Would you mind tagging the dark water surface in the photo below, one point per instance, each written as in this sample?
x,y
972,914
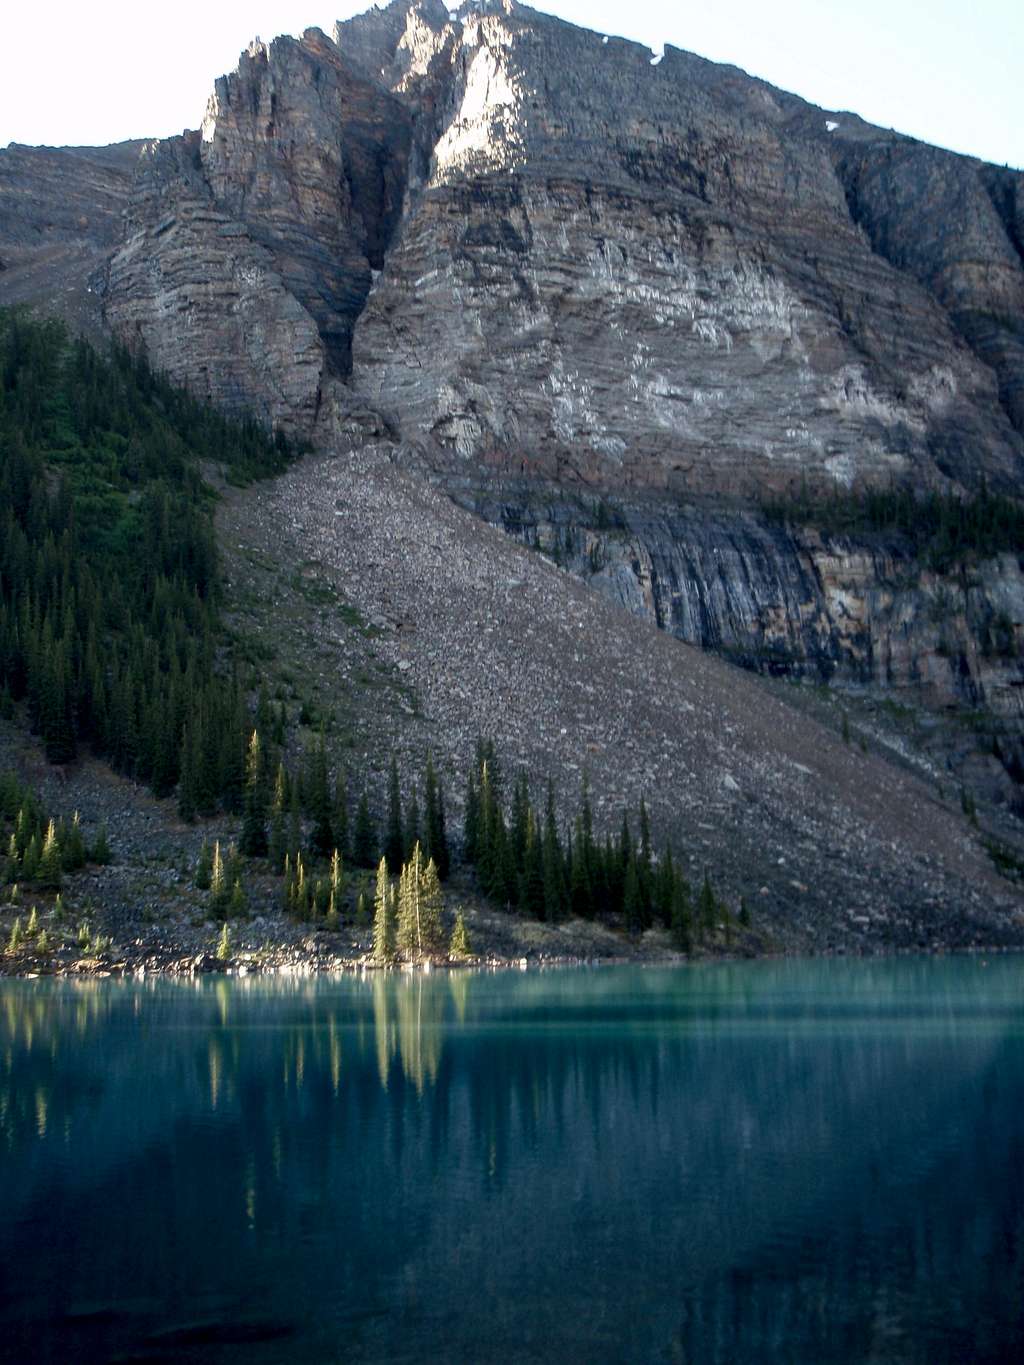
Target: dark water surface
x,y
798,1162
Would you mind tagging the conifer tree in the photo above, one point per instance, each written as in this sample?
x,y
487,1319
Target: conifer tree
x,y
100,853
337,875
431,910
410,889
253,839
237,905
394,839
276,840
532,890
682,918
384,916
294,838
459,944
224,944
319,802
471,825
435,838
15,940
204,868
220,887
707,907
340,821
50,870
73,851
554,883
632,907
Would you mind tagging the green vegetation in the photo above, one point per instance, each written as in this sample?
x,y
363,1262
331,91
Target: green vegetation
x,y
942,530
37,850
109,583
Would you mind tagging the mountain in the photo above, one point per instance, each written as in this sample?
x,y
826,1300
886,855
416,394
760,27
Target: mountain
x,y
653,317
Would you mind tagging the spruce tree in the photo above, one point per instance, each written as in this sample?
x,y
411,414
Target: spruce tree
x,y
253,839
204,868
384,916
435,841
220,887
458,947
277,840
224,945
100,853
431,910
682,918
554,883
471,825
410,890
707,907
412,823
73,852
50,870
632,907
238,906
319,802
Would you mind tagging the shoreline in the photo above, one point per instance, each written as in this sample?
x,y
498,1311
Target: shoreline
x,y
313,965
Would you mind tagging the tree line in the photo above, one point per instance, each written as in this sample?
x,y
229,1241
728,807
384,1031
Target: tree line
x,y
940,529
303,827
109,583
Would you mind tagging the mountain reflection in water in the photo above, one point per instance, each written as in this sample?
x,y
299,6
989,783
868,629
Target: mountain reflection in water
x,y
768,1162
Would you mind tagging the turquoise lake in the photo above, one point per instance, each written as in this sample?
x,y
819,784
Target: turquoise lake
x,y
771,1162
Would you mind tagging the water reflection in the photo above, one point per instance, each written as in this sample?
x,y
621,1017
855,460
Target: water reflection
x,y
791,1162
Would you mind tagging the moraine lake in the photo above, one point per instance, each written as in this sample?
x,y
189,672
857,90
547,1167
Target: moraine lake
x,y
791,1162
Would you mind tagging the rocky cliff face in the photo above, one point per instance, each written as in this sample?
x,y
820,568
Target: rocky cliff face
x,y
60,218
558,272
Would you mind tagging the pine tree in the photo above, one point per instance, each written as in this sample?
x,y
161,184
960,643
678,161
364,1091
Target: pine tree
x,y
707,907
431,910
224,945
435,839
554,883
682,918
15,940
73,851
337,876
632,907
100,853
319,802
471,826
50,869
459,944
204,868
237,906
220,887
394,839
384,916
276,840
532,888
410,887
294,839
253,839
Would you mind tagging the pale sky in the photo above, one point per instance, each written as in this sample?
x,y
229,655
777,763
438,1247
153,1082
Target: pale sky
x,y
947,71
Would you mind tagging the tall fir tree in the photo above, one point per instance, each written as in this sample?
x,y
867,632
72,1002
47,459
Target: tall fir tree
x,y
253,838
384,915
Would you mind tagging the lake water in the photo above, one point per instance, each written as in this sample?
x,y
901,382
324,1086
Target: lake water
x,y
775,1162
